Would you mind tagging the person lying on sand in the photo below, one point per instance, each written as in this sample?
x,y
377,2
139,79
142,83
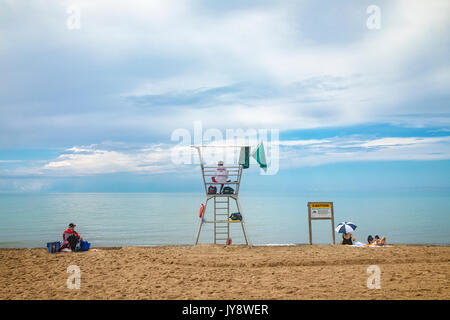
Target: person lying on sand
x,y
376,241
347,238
379,242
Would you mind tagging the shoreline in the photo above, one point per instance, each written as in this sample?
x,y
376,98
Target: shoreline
x,y
228,272
237,245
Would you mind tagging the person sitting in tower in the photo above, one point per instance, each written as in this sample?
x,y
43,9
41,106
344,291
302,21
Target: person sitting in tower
x,y
221,175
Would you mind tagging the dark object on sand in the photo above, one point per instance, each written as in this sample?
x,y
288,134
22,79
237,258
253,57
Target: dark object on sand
x,y
71,243
84,246
53,247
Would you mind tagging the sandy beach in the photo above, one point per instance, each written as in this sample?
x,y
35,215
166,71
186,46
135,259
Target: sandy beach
x,y
233,272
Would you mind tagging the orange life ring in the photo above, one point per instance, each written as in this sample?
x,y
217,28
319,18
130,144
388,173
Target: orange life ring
x,y
202,208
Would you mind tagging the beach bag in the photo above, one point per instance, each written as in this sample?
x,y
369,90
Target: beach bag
x,y
228,190
53,247
84,246
236,216
212,190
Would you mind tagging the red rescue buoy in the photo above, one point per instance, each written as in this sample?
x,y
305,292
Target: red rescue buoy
x,y
202,208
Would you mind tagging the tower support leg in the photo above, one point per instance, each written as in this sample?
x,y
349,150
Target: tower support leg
x,y
242,221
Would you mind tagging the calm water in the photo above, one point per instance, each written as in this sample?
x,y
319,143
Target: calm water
x,y
121,219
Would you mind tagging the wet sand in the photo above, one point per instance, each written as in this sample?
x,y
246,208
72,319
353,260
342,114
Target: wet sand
x,y
233,272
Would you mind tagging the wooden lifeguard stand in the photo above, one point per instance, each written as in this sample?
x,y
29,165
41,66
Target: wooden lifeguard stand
x,y
221,201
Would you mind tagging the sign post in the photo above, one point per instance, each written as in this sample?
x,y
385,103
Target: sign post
x,y
321,211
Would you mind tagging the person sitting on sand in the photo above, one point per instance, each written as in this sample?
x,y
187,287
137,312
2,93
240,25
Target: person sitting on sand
x,y
221,175
71,238
347,238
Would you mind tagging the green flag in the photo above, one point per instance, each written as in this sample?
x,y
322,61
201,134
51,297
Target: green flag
x,y
260,156
244,157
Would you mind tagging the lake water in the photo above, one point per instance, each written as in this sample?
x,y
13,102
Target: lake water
x,y
123,219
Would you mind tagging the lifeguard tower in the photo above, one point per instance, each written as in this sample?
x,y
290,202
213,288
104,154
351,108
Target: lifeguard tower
x,y
221,201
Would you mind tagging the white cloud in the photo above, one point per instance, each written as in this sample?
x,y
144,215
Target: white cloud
x,y
379,74
291,81
304,142
156,159
386,142
88,160
353,149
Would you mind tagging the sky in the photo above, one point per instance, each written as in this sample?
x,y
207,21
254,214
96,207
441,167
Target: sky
x,y
93,93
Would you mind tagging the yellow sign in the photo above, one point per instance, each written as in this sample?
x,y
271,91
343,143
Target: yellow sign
x,y
320,205
321,211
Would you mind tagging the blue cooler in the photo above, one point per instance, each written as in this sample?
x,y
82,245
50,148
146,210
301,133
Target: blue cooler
x,y
85,246
53,247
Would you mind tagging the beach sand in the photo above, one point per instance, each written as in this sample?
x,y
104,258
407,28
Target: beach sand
x,y
233,272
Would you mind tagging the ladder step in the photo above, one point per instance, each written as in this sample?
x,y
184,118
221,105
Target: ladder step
x,y
221,227
221,239
221,232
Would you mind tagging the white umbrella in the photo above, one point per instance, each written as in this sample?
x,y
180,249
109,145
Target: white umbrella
x,y
345,227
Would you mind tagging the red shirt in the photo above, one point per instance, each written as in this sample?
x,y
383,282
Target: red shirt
x,y
68,233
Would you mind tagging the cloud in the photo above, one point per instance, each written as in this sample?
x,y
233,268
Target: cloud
x,y
305,153
111,158
136,71
295,84
91,160
200,97
392,142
